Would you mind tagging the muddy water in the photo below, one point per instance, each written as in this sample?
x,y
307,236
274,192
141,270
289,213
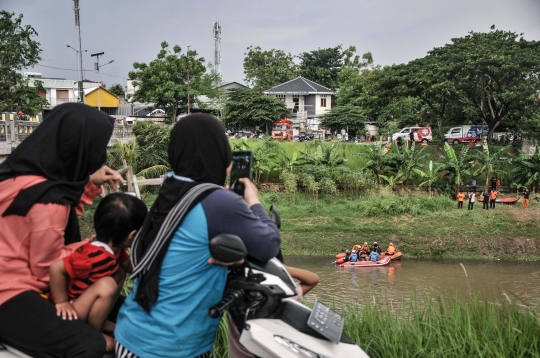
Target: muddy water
x,y
402,279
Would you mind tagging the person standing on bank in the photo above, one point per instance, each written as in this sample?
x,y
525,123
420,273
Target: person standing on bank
x,y
472,199
176,280
460,198
526,195
485,200
492,198
43,185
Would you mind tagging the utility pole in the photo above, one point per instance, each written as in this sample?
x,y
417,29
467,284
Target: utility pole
x,y
188,99
80,97
97,67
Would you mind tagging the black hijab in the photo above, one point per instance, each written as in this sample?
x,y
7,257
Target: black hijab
x,y
65,149
199,150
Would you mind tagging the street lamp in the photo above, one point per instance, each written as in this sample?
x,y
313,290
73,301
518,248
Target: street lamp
x,y
188,99
97,67
79,70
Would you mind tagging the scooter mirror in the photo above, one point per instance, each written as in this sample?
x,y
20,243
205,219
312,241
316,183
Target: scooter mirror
x,y
227,248
274,215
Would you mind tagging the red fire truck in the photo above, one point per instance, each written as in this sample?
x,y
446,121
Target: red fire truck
x,y
282,129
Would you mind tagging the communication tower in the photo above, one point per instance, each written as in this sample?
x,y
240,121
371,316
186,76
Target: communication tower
x,y
217,46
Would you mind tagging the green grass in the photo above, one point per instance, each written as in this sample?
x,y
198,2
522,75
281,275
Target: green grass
x,y
435,327
420,226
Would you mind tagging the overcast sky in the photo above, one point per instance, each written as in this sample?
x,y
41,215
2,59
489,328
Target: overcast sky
x,y
394,31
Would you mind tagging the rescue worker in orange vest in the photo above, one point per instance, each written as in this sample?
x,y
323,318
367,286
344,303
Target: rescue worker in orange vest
x,y
365,248
363,253
460,198
391,249
526,195
356,247
492,198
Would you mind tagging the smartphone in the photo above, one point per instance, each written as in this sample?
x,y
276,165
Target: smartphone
x,y
241,168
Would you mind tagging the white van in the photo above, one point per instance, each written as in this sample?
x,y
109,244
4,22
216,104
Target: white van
x,y
465,133
421,134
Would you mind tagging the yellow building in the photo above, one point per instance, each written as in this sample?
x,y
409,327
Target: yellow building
x,y
100,97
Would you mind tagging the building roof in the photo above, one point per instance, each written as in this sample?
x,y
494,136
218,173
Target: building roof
x,y
299,85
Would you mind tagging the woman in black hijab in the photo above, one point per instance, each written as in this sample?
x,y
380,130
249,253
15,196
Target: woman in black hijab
x,y
175,282
42,184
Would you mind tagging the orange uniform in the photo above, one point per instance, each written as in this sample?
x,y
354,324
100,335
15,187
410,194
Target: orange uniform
x,y
461,196
493,195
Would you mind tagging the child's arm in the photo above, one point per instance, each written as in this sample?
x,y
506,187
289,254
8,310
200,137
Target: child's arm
x,y
307,279
126,265
58,284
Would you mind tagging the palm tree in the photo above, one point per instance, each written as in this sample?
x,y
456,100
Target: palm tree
x,y
455,166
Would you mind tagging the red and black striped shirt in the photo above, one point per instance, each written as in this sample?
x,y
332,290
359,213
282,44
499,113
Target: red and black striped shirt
x,y
88,264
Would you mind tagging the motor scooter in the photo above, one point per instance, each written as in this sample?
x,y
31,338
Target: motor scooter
x,y
258,295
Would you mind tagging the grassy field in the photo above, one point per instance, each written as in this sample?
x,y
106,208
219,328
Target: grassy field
x,y
420,226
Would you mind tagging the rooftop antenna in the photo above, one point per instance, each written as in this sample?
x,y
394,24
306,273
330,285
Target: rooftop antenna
x,y
217,46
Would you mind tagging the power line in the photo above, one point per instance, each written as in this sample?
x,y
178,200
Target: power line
x,y
69,69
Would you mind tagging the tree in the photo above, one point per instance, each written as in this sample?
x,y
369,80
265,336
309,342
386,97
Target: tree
x,y
324,65
210,87
348,116
245,107
17,51
266,69
164,81
497,75
118,90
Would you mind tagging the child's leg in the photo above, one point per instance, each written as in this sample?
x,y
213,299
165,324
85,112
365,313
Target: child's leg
x,y
94,304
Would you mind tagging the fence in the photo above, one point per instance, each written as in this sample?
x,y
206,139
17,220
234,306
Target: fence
x,y
14,130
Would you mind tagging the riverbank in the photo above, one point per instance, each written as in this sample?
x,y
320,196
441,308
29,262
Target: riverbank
x,y
421,227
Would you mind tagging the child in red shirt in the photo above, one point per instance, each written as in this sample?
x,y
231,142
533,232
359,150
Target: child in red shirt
x,y
85,284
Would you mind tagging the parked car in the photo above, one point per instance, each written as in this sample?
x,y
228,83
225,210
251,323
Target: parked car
x,y
421,134
465,133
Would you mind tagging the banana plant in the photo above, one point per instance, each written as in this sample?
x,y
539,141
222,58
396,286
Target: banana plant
x,y
485,161
129,152
455,166
527,168
392,179
429,176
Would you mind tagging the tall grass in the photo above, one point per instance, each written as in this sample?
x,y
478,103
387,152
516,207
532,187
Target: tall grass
x,y
444,328
435,327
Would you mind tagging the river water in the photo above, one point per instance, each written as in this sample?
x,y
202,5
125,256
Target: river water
x,y
517,282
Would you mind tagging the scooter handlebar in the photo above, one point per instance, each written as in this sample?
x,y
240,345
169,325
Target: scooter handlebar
x,y
226,303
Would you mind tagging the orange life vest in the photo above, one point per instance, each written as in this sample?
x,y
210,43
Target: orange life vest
x,y
460,196
391,250
493,195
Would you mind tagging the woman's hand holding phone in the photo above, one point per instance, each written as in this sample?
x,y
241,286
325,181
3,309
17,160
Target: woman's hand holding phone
x,y
251,194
